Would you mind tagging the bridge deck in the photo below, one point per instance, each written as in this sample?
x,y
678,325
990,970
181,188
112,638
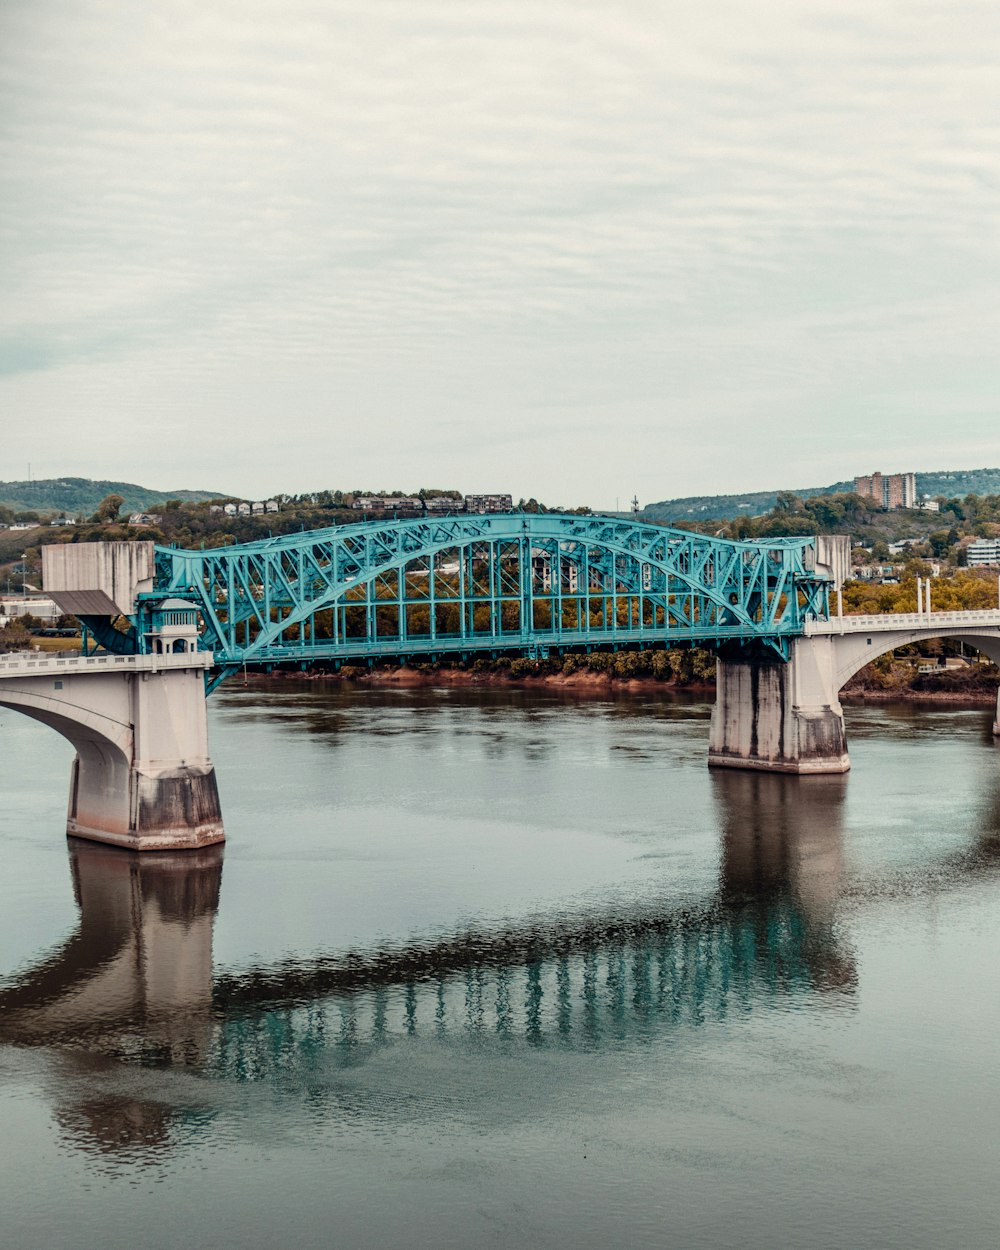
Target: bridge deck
x,y
905,621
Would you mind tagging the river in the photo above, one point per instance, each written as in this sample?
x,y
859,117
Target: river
x,y
514,969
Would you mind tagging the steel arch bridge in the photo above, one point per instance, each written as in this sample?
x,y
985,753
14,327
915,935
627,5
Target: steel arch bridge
x,y
484,585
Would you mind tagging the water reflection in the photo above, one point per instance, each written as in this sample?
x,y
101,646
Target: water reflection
x,y
134,990
136,977
135,985
332,712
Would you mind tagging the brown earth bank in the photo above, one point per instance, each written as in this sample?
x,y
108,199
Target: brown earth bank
x,y
974,687
403,677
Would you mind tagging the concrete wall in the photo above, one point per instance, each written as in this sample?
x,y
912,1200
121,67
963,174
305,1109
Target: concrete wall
x,y
97,579
831,555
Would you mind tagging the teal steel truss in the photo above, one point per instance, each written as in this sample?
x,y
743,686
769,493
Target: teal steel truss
x,y
485,585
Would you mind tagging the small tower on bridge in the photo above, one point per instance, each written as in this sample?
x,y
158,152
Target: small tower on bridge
x,y
173,628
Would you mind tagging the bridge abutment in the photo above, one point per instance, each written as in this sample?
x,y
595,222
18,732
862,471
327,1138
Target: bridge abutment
x,y
170,800
779,716
142,777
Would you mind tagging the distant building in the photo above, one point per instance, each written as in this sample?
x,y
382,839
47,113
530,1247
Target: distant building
x,y
229,509
257,508
271,505
442,503
143,518
243,509
489,503
901,491
983,552
870,488
41,608
890,491
387,503
541,569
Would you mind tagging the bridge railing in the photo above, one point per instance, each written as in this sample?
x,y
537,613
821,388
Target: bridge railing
x,y
18,664
903,620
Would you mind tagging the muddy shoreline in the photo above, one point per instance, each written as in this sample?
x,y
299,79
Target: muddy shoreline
x,y
586,682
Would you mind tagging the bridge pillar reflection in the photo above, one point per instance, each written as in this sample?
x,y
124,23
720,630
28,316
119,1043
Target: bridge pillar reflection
x,y
779,716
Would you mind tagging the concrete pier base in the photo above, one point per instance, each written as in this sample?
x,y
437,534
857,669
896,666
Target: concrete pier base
x,y
777,716
996,721
174,809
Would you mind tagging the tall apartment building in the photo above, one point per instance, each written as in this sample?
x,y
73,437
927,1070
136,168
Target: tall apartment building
x,y
870,487
891,490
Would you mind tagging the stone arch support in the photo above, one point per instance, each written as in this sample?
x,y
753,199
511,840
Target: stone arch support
x,y
142,777
856,649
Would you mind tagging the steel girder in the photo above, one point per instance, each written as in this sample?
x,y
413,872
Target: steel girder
x,y
470,584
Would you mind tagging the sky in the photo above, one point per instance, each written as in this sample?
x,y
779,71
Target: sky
x,y
570,250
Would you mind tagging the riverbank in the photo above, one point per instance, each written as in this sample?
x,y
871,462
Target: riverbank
x,y
974,687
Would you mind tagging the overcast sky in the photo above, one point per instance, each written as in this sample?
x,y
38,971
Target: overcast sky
x,y
573,250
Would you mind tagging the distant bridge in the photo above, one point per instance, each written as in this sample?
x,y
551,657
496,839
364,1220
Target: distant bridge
x,y
462,586
473,585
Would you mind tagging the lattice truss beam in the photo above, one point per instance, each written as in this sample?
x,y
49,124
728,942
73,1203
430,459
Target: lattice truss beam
x,y
466,583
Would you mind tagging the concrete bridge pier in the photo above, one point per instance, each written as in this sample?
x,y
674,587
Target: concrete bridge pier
x,y
778,716
164,795
142,777
138,717
996,722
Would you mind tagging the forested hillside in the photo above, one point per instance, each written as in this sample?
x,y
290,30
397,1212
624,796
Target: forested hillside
x,y
74,495
957,482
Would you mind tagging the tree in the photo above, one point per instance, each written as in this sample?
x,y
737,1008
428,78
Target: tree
x,y
787,501
108,509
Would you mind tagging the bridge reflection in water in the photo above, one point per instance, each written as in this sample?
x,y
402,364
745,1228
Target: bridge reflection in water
x,y
136,983
588,980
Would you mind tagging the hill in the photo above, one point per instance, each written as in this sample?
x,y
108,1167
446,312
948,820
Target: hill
x,y
957,482
72,495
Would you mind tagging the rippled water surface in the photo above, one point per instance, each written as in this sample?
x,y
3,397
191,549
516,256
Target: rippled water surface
x,y
492,968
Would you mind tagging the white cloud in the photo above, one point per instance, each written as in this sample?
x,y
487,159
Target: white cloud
x,y
549,247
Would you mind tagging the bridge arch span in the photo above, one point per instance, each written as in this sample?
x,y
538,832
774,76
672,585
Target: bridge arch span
x,y
855,651
261,602
99,781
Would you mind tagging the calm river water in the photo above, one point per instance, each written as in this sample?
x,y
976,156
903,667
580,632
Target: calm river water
x,y
498,968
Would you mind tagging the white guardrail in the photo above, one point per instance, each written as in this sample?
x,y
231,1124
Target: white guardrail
x,y
989,617
38,664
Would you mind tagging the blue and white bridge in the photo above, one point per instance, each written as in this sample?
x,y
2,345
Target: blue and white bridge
x,y
172,624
